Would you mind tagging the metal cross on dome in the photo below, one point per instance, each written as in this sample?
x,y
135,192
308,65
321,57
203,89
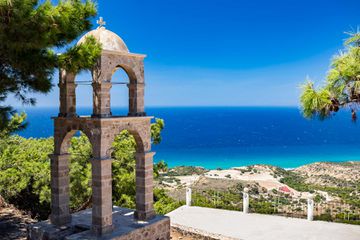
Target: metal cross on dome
x,y
101,22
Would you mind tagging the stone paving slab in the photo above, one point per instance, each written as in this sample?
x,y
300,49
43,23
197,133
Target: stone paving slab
x,y
237,225
125,227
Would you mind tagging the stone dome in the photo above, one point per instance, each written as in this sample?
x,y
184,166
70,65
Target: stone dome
x,y
110,41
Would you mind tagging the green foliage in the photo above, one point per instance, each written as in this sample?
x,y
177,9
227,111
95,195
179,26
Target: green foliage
x,y
350,218
342,86
230,200
346,193
25,173
124,149
318,198
124,170
163,203
30,30
296,182
160,167
324,217
264,207
80,172
16,123
156,129
354,38
315,103
82,56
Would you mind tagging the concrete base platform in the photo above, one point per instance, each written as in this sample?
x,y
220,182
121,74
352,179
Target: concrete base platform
x,y
124,227
224,224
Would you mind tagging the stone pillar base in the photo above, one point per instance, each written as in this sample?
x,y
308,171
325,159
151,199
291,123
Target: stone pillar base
x,y
60,220
99,231
68,115
124,227
106,115
144,216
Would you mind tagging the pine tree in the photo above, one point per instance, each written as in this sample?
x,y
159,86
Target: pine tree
x,y
31,32
342,85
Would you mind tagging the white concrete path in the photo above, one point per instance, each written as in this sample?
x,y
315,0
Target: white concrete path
x,y
234,224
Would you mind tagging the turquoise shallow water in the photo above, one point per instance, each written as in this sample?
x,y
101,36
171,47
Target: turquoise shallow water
x,y
289,157
225,137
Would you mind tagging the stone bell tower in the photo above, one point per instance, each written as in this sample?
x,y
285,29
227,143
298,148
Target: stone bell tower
x,y
101,128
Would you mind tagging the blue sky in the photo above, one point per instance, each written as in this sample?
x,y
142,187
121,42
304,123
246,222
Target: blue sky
x,y
225,52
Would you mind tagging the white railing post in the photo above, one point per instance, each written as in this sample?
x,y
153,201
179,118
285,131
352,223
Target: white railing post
x,y
246,200
188,196
310,208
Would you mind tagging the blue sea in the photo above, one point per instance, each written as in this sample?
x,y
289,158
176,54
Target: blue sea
x,y
224,137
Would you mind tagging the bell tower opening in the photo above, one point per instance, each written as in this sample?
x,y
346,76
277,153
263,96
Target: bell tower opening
x,y
119,92
84,95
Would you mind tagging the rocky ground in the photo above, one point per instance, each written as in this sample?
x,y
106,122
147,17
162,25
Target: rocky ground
x,y
177,234
330,174
13,222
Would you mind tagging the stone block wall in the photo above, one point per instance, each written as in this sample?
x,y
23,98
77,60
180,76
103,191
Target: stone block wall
x,y
157,231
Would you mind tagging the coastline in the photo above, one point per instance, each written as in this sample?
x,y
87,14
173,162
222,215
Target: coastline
x,y
225,158
259,163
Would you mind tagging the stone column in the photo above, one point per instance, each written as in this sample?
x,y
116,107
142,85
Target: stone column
x,y
136,99
67,94
101,196
101,99
60,212
144,186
